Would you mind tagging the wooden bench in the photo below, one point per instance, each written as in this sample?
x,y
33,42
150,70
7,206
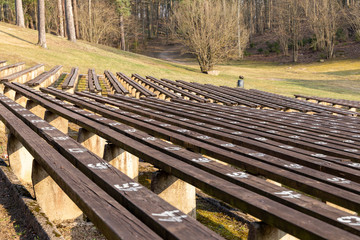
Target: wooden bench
x,y
133,87
186,95
24,75
115,84
92,200
158,90
71,79
93,81
11,69
46,79
200,93
96,109
198,177
119,186
351,105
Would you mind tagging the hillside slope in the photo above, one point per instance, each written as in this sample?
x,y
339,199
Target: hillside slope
x,y
337,79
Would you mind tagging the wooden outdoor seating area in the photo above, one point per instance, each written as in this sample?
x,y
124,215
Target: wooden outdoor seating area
x,y
291,164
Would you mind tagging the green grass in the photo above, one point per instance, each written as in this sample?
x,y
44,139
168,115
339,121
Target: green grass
x,y
337,79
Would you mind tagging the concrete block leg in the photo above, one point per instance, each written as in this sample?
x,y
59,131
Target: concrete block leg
x,y
262,231
91,141
9,93
53,201
122,160
55,120
35,108
20,99
20,159
175,191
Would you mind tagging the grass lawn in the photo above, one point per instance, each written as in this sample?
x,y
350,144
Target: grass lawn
x,y
337,79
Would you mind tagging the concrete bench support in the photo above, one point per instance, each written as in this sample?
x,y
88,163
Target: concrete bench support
x,y
35,108
53,201
55,120
9,93
262,231
91,141
20,159
175,191
20,99
122,160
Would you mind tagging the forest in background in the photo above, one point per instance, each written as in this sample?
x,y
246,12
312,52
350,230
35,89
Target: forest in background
x,y
213,30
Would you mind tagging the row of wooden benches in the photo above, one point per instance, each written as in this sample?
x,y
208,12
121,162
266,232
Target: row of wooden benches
x,y
351,105
199,178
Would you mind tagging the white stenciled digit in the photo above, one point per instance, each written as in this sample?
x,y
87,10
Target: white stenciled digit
x,y
204,137
318,155
48,128
288,194
172,148
149,139
114,124
261,139
217,128
128,187
77,150
99,166
339,180
28,115
37,121
170,216
257,154
182,130
238,175
286,146
351,220
61,138
294,166
357,165
202,160
131,130
227,145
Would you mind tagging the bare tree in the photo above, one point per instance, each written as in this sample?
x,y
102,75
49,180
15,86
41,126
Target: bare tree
x,y
207,32
61,18
19,13
70,21
353,16
76,21
41,23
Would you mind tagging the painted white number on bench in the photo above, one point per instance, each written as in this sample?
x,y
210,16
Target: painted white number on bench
x,y
99,166
130,130
234,122
351,220
183,119
114,124
149,139
318,155
261,139
272,131
357,165
128,187
28,115
320,143
172,148
238,175
338,180
286,147
61,138
48,128
294,166
149,120
37,121
170,216
203,137
356,136
77,150
349,141
217,128
202,160
227,145
236,133
101,119
257,154
182,130
20,109
165,125
351,150
199,123
13,105
288,194
89,114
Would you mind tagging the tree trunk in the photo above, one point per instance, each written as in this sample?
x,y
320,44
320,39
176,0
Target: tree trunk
x,y
61,18
239,29
41,23
70,21
122,32
76,21
149,20
90,21
19,13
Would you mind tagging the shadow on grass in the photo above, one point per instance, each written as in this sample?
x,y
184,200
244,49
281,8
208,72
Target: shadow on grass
x,y
344,73
11,35
334,86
